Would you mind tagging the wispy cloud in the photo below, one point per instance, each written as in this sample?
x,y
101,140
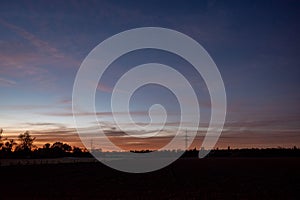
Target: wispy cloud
x,y
104,88
65,101
38,43
24,107
268,124
17,59
46,124
99,114
7,82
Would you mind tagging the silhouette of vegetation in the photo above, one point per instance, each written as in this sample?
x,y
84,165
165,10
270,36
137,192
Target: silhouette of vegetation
x,y
1,143
229,152
140,151
9,148
253,152
26,142
6,145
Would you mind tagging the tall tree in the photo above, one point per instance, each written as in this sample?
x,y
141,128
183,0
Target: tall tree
x,y
1,131
26,142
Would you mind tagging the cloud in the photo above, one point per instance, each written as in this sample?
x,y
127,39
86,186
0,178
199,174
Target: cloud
x,y
7,82
51,135
24,107
45,124
26,67
99,114
65,101
104,88
17,59
38,43
270,124
52,132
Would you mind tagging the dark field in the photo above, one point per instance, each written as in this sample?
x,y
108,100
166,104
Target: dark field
x,y
210,178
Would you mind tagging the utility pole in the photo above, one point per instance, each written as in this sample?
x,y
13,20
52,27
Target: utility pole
x,y
91,145
186,140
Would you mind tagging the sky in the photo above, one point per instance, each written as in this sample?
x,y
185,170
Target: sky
x,y
255,45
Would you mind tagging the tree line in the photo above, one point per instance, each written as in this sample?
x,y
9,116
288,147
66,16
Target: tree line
x,y
24,147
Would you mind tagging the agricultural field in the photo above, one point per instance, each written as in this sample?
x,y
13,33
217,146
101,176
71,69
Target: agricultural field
x,y
187,178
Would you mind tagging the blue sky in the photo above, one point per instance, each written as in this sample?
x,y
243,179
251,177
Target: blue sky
x,y
255,45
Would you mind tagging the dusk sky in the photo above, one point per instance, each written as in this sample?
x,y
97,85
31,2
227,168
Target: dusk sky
x,y
255,45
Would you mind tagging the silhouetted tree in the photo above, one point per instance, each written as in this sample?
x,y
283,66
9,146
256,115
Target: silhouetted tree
x,y
59,148
26,142
1,131
8,145
76,151
47,146
67,148
57,145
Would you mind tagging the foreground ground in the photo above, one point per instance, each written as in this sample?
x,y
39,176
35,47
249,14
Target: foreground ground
x,y
211,178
